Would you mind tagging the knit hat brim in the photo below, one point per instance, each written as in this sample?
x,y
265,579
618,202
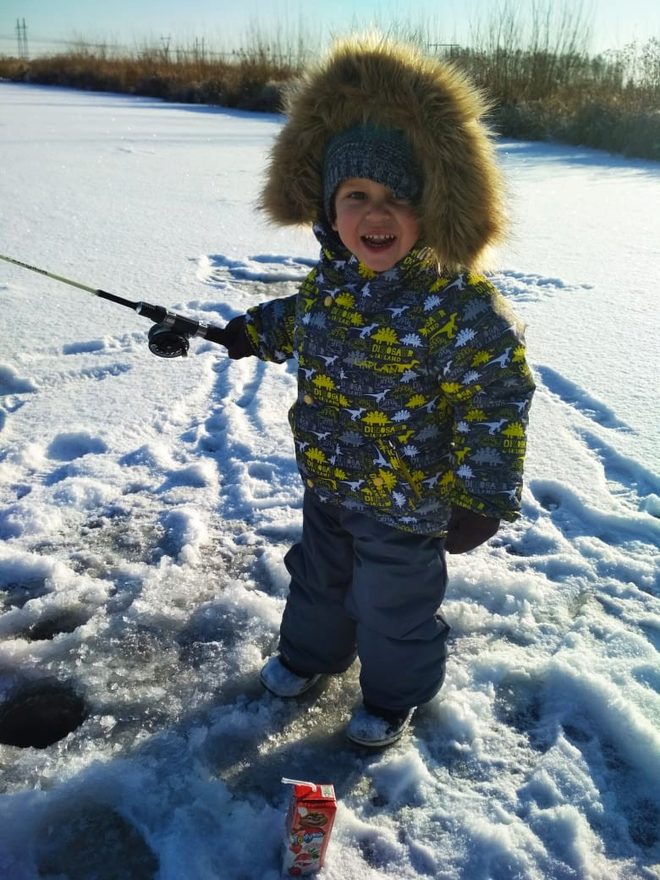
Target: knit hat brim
x,y
378,154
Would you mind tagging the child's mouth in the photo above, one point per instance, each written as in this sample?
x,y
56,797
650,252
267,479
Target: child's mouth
x,y
378,242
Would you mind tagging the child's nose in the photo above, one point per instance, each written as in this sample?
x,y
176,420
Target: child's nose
x,y
379,206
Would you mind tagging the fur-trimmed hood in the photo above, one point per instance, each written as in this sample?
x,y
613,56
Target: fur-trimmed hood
x,y
372,80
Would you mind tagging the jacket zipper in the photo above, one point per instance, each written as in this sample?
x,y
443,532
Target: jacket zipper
x,y
397,462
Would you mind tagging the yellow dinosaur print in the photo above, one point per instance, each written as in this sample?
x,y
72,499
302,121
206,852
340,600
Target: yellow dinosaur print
x,y
515,429
460,454
383,479
322,381
346,300
481,357
432,325
447,483
451,388
376,418
315,454
449,329
456,392
405,436
439,285
387,335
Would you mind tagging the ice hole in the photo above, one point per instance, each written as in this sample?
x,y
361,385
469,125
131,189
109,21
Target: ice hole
x,y
37,717
49,627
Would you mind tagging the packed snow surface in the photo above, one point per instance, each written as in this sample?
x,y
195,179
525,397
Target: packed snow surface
x,y
146,506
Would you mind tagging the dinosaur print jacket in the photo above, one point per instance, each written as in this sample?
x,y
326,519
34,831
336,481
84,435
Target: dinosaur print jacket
x,y
413,389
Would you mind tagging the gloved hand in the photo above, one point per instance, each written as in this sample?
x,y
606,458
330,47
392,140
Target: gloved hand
x,y
236,339
467,530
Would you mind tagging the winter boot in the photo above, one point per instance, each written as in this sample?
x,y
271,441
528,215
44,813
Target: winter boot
x,y
284,682
376,727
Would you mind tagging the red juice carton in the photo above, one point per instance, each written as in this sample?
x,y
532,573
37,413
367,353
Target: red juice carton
x,y
309,822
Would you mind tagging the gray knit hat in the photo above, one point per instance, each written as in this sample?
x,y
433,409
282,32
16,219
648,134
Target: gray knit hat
x,y
379,154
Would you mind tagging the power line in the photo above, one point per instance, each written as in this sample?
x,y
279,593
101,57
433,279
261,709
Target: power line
x,y
61,41
199,50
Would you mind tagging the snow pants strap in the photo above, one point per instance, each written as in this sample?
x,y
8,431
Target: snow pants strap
x,y
357,584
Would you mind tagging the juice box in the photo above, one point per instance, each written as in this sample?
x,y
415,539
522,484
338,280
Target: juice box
x,y
309,822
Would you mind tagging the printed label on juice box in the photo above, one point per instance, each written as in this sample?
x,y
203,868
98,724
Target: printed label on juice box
x,y
308,825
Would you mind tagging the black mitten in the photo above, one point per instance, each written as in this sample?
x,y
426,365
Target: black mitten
x,y
467,530
236,339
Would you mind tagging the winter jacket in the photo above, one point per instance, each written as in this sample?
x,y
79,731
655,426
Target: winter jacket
x,y
413,388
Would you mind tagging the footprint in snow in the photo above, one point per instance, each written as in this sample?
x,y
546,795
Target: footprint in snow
x,y
519,704
15,593
580,399
100,373
69,446
527,287
627,477
13,383
271,274
97,373
86,347
104,344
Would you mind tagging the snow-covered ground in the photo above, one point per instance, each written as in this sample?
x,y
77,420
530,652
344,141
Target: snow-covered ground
x,y
146,505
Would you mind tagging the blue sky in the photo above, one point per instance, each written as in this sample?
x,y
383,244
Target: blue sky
x,y
227,23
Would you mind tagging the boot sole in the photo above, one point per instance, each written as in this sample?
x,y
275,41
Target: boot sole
x,y
379,743
303,689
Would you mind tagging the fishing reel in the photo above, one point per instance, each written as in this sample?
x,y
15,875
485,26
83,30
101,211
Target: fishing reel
x,y
166,342
170,335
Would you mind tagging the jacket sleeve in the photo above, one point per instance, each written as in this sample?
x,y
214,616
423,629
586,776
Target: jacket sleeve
x,y
270,326
487,383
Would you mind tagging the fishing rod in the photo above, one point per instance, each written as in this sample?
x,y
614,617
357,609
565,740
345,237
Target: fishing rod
x,y
168,338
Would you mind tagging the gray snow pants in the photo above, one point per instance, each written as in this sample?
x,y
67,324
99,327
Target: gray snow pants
x,y
359,587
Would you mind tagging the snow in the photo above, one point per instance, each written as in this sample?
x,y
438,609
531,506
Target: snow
x,y
146,506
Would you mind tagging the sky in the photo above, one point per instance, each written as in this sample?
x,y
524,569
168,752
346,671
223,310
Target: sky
x,y
223,24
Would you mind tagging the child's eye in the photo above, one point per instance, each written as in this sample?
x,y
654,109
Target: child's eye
x,y
356,194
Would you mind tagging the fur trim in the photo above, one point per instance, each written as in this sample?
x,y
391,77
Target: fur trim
x,y
372,80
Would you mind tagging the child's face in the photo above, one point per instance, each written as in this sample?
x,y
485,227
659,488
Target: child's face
x,y
373,224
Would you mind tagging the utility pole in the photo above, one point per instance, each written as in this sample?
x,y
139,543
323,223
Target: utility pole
x,y
21,38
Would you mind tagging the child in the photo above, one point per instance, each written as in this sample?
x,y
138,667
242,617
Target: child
x,y
413,390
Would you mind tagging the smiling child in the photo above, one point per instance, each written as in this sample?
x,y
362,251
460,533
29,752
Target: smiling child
x,y
413,390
